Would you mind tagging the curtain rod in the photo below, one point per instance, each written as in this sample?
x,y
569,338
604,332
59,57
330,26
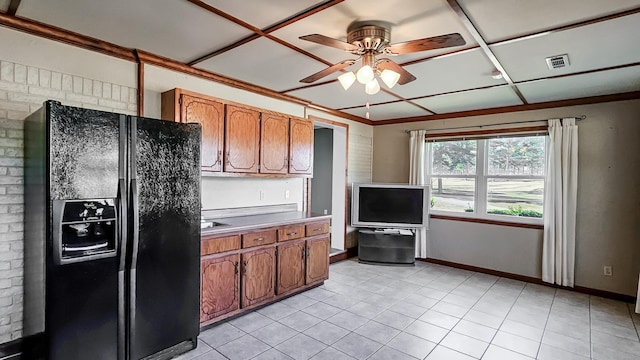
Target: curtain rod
x,y
578,118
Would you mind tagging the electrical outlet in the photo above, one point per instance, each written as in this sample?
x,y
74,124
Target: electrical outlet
x,y
261,194
286,194
608,271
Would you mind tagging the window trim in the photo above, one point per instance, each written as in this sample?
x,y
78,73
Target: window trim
x,y
481,187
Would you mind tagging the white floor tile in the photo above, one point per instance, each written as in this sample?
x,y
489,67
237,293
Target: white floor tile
x,y
427,311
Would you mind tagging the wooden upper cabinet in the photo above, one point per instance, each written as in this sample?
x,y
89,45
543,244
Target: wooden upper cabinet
x,y
210,114
317,259
301,146
274,144
242,132
184,106
220,281
258,276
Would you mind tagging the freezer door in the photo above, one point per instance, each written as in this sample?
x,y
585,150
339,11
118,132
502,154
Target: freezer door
x,y
165,232
84,149
86,158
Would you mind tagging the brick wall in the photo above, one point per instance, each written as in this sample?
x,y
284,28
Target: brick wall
x,y
23,89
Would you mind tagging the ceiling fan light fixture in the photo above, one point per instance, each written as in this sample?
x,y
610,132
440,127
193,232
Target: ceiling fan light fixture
x,y
372,87
389,77
365,75
347,79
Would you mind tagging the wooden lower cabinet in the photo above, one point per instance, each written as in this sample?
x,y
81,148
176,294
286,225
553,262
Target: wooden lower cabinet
x,y
258,275
317,259
220,292
290,266
244,270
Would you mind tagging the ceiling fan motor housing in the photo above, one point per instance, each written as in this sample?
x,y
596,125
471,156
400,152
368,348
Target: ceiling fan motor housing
x,y
369,38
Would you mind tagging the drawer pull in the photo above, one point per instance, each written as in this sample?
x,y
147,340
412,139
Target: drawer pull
x,y
292,233
236,266
259,239
317,229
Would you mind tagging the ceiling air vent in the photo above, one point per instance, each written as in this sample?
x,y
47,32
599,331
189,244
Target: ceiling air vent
x,y
558,61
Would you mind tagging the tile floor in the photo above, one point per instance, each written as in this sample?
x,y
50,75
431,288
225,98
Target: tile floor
x,y
428,312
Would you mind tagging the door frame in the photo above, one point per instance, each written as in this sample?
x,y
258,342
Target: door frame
x,y
333,125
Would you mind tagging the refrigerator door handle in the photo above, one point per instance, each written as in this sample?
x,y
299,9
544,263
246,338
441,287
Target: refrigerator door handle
x,y
135,223
122,219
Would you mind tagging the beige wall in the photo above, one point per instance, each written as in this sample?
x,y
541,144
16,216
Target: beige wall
x,y
608,223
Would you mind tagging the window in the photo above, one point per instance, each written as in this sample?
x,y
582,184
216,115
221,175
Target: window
x,y
492,178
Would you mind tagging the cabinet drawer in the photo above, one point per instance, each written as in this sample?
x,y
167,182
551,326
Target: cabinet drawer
x,y
317,228
258,238
214,245
291,232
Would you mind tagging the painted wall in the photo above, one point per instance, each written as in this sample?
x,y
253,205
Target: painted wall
x,y
322,171
360,161
608,220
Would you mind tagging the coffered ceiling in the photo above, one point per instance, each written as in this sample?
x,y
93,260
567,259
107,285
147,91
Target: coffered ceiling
x,y
257,42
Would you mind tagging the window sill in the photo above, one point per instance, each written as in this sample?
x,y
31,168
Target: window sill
x,y
488,221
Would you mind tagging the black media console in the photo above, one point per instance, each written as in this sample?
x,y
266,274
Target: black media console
x,y
386,247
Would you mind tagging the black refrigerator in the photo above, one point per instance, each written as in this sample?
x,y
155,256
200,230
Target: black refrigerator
x,y
112,235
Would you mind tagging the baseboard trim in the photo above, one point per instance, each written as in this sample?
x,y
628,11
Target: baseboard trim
x,y
11,350
580,289
343,255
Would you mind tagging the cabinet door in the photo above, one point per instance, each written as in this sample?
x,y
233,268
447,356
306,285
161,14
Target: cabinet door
x,y
258,276
274,142
242,130
317,259
301,146
220,288
290,266
210,114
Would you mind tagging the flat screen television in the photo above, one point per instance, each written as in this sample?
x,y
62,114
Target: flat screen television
x,y
389,205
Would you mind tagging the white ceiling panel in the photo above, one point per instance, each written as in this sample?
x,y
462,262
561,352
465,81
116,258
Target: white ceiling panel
x,y
334,96
471,100
4,5
262,13
502,19
175,29
409,19
594,84
264,62
467,70
590,47
390,111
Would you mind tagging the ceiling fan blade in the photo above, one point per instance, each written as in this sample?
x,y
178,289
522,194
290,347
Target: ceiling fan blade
x,y
327,41
430,43
405,76
330,70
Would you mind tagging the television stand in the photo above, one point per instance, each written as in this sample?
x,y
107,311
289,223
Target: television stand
x,y
386,246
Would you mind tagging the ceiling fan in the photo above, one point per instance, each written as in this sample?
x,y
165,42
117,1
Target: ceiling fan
x,y
368,39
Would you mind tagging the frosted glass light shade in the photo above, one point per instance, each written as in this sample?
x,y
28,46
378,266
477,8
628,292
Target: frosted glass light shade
x,y
372,87
347,79
365,74
390,77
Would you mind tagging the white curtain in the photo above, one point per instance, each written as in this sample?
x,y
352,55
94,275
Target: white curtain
x,y
418,175
560,200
